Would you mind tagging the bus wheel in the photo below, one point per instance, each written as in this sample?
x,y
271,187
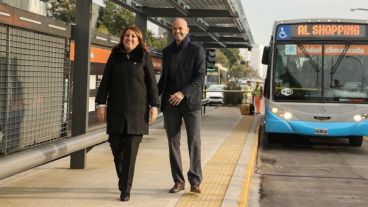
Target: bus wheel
x,y
356,141
273,137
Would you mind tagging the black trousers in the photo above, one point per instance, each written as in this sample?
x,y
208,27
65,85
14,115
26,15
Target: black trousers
x,y
125,149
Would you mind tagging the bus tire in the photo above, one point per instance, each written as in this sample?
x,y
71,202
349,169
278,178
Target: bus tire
x,y
356,141
273,137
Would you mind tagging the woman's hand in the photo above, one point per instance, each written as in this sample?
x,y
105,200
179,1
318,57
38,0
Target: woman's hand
x,y
101,114
153,114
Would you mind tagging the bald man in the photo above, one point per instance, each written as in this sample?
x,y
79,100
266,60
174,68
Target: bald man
x,y
183,71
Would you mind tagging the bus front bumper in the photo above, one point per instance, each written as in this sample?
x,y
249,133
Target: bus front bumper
x,y
276,124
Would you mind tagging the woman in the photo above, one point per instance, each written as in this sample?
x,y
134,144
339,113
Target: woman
x,y
129,88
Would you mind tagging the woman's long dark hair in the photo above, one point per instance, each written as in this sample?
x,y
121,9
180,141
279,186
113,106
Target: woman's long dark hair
x,y
139,36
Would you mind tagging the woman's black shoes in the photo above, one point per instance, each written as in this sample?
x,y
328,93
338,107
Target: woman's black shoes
x,y
124,197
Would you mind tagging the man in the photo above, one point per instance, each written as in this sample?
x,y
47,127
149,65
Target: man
x,y
181,88
248,92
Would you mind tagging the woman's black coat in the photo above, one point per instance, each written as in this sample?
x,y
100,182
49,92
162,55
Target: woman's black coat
x,y
129,86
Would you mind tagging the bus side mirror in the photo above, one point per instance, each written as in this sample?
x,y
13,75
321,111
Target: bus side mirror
x,y
266,55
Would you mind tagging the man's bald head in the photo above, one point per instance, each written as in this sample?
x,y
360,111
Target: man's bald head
x,y
180,30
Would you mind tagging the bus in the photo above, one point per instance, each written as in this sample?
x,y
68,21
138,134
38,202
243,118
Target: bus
x,y
317,79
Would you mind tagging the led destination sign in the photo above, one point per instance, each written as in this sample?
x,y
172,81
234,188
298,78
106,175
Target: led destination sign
x,y
329,30
297,31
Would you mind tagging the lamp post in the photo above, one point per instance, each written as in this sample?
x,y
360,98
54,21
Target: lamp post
x,y
360,9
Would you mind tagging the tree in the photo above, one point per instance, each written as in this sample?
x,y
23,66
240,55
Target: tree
x,y
63,10
221,58
249,72
155,43
114,18
233,55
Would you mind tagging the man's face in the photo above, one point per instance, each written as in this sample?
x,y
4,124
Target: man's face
x,y
179,30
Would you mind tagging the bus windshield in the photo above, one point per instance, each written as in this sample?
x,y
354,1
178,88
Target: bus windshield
x,y
321,72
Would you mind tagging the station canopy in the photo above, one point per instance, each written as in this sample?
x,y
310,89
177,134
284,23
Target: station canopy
x,y
214,23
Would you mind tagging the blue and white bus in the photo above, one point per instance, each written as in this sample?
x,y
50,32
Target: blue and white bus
x,y
317,79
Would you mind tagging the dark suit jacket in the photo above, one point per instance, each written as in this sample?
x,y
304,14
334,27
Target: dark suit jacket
x,y
190,75
129,86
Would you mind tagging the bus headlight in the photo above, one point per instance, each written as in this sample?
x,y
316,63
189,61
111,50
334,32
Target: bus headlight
x,y
361,117
282,114
357,118
287,115
275,110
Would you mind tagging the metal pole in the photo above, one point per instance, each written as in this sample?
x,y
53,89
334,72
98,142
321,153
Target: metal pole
x,y
82,37
141,23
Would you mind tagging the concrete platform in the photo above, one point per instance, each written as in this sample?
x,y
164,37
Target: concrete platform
x,y
224,132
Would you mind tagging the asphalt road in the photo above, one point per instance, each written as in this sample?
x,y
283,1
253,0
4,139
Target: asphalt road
x,y
315,172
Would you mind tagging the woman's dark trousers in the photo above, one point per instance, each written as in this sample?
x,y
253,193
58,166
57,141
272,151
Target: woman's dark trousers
x,y
125,149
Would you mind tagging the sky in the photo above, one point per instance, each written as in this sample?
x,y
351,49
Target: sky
x,y
261,14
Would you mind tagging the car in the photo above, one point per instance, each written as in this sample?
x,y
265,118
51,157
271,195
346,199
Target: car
x,y
215,94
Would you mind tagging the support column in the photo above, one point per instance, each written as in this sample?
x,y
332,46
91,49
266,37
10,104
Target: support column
x,y
141,23
170,37
82,38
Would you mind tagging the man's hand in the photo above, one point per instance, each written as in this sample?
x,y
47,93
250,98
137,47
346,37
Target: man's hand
x,y
153,114
176,98
101,114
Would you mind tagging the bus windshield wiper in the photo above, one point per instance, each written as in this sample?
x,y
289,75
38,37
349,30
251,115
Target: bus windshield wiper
x,y
306,54
334,67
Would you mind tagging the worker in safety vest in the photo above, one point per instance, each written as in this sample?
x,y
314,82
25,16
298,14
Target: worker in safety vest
x,y
258,93
248,92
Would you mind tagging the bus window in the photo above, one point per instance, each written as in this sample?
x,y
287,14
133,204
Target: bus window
x,y
295,78
308,76
349,81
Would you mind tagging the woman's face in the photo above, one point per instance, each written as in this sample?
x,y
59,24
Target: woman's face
x,y
130,40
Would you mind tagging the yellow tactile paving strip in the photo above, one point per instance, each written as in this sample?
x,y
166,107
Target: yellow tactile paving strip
x,y
219,170
243,200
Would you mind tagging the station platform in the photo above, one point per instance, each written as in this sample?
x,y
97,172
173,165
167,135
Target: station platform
x,y
229,147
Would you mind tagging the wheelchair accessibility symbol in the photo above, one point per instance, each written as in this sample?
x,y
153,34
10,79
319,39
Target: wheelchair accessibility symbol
x,y
282,33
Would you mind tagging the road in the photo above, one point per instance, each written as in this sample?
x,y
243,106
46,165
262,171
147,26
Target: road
x,y
312,173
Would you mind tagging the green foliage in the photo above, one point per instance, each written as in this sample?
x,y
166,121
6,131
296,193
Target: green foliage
x,y
221,58
231,98
63,10
114,18
250,73
233,55
103,29
238,70
155,43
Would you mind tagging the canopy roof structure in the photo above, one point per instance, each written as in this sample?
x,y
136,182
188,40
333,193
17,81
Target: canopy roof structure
x,y
214,23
